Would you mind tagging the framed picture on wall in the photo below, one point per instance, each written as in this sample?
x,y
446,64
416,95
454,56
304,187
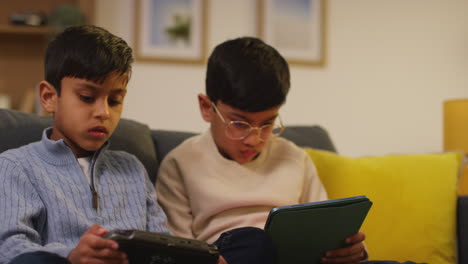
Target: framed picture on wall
x,y
296,28
170,30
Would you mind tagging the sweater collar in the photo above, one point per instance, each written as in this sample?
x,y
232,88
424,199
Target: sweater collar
x,y
57,152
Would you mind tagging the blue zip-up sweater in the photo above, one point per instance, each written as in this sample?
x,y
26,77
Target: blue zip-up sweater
x,y
46,202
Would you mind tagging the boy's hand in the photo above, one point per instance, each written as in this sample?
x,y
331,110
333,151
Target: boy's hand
x,y
92,248
221,260
354,252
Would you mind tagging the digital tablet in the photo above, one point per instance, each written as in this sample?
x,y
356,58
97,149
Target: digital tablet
x,y
144,247
302,233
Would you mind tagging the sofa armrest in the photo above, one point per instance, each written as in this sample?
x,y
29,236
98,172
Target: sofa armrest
x,y
462,232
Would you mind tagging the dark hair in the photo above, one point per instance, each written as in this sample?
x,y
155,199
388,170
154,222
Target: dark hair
x,y
87,52
248,74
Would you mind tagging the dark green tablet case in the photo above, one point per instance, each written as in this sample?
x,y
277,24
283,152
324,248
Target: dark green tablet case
x,y
303,233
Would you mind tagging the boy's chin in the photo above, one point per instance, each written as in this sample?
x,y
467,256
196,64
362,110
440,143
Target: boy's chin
x,y
90,148
244,160
93,148
240,158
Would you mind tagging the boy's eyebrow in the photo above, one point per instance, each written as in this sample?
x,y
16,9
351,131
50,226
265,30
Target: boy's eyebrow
x,y
94,88
119,90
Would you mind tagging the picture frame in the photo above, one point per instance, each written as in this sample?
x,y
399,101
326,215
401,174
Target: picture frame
x,y
296,28
172,31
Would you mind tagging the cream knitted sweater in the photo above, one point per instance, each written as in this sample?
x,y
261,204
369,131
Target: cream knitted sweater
x,y
205,194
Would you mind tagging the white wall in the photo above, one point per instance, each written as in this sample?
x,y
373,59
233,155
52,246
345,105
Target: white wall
x,y
390,65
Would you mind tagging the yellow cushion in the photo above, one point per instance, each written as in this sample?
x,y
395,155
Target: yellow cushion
x,y
414,212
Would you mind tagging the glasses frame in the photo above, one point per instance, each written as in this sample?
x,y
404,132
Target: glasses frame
x,y
259,128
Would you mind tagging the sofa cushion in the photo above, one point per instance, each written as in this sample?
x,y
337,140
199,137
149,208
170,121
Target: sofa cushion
x,y
18,129
414,211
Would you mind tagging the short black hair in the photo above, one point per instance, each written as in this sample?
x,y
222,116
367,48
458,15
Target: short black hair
x,y
87,52
248,74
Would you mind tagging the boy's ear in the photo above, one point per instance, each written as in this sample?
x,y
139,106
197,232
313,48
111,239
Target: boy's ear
x,y
48,96
206,109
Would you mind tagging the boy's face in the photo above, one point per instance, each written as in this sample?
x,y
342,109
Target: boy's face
x,y
86,113
240,150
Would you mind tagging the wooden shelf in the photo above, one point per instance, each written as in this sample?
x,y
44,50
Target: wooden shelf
x,y
23,30
22,48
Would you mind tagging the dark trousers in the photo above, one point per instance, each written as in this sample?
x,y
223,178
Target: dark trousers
x,y
389,262
39,257
247,245
243,245
250,245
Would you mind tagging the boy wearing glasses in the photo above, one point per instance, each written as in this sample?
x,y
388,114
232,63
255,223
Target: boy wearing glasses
x,y
220,186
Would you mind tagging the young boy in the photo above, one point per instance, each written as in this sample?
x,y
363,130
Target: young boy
x,y
60,195
232,175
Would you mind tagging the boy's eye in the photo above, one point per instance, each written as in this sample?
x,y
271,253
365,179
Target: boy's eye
x,y
114,101
86,99
240,125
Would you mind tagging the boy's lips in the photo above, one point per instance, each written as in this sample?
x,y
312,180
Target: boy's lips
x,y
98,132
249,153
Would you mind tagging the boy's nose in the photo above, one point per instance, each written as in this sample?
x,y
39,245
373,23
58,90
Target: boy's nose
x,y
102,110
254,138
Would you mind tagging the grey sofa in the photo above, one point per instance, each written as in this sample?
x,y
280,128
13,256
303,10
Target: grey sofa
x,y
150,146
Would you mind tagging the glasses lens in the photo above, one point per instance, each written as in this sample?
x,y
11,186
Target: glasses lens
x,y
276,129
238,129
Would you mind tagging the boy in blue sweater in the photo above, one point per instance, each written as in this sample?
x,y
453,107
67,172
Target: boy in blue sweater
x,y
60,195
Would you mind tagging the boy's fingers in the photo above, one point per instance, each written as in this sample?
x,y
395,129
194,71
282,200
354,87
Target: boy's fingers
x,y
355,249
356,238
351,254
355,258
111,255
100,249
93,237
221,260
98,242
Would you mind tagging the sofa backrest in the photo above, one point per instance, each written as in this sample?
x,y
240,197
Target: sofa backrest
x,y
149,146
304,136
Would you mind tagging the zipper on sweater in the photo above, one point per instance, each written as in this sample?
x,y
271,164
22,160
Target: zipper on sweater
x,y
95,198
92,186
